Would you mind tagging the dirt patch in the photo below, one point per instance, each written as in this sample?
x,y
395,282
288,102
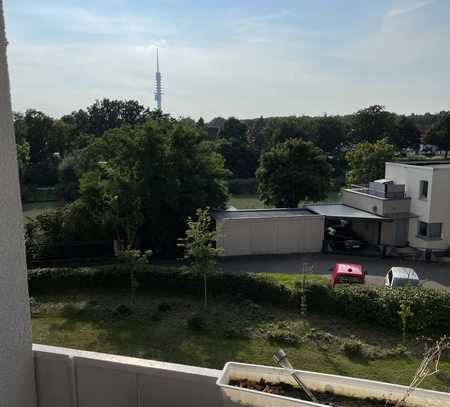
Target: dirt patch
x,y
287,390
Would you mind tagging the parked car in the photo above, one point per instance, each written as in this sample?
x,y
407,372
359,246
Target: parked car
x,y
401,277
347,273
342,237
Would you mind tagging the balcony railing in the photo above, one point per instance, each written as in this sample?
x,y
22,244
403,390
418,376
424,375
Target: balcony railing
x,y
68,378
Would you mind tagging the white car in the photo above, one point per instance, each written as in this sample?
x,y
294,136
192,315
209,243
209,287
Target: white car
x,y
401,277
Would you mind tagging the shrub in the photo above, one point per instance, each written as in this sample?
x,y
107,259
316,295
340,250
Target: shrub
x,y
353,347
196,322
283,337
431,308
122,311
164,307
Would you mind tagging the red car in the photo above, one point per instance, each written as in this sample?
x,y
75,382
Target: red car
x,y
347,273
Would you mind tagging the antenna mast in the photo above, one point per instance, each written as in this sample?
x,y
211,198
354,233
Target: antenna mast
x,y
158,85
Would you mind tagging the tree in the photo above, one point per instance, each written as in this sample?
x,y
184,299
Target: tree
x,y
234,129
329,134
291,172
199,246
109,114
23,156
439,133
234,147
371,124
405,134
145,181
366,163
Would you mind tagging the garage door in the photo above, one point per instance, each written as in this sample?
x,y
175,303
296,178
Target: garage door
x,y
299,234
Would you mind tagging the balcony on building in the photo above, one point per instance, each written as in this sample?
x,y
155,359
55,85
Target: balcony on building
x,y
382,197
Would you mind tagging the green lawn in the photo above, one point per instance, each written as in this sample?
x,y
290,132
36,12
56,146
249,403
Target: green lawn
x,y
289,280
34,209
243,332
253,201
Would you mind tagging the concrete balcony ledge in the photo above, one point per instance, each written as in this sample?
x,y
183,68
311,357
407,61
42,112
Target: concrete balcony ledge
x,y
74,378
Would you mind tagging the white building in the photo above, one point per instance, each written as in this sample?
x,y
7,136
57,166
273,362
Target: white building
x,y
427,184
413,199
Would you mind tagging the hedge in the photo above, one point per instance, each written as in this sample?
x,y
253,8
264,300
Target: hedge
x,y
431,308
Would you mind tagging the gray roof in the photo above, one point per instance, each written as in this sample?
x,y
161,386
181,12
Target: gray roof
x,y
341,211
262,213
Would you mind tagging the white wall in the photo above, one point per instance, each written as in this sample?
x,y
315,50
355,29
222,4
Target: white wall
x,y
257,236
434,209
16,362
72,378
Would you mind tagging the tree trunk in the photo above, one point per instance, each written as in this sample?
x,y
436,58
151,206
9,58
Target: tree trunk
x,y
205,303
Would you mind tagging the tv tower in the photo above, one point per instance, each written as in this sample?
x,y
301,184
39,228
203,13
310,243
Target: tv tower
x,y
158,86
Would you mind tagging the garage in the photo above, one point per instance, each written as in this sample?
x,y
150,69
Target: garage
x,y
272,231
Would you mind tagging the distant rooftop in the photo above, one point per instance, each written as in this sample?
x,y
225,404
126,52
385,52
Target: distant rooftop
x,y
341,211
429,163
263,213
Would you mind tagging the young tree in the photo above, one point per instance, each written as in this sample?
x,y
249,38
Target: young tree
x,y
199,246
291,172
439,133
366,162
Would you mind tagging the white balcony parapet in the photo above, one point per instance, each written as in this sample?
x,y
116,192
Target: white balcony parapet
x,y
74,378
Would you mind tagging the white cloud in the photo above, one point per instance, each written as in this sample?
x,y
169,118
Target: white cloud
x,y
407,6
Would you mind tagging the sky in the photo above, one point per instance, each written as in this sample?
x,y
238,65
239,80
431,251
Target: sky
x,y
243,58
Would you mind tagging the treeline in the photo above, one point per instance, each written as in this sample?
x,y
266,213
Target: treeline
x,y
135,175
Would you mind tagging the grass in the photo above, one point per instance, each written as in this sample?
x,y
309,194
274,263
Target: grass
x,y
252,201
289,280
34,209
243,332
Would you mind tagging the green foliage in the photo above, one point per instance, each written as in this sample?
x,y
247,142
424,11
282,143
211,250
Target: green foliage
x,y
292,172
405,134
405,314
353,347
366,163
439,133
233,144
431,308
371,124
196,322
150,179
199,245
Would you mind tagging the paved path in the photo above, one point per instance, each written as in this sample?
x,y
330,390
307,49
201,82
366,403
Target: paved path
x,y
436,275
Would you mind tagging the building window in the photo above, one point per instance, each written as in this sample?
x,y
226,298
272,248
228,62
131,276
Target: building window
x,y
423,190
429,230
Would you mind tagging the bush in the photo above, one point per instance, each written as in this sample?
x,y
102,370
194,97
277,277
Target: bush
x,y
164,307
283,337
430,308
196,322
353,347
122,311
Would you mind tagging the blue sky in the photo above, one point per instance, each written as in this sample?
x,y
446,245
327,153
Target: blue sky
x,y
241,58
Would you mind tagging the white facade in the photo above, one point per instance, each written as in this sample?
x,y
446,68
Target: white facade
x,y
16,358
262,232
430,208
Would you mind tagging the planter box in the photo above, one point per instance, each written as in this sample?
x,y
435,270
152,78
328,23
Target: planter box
x,y
318,382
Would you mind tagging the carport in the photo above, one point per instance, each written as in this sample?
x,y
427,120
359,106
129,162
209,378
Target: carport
x,y
269,231
368,226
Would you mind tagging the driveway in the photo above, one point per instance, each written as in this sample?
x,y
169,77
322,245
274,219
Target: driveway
x,y
436,275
